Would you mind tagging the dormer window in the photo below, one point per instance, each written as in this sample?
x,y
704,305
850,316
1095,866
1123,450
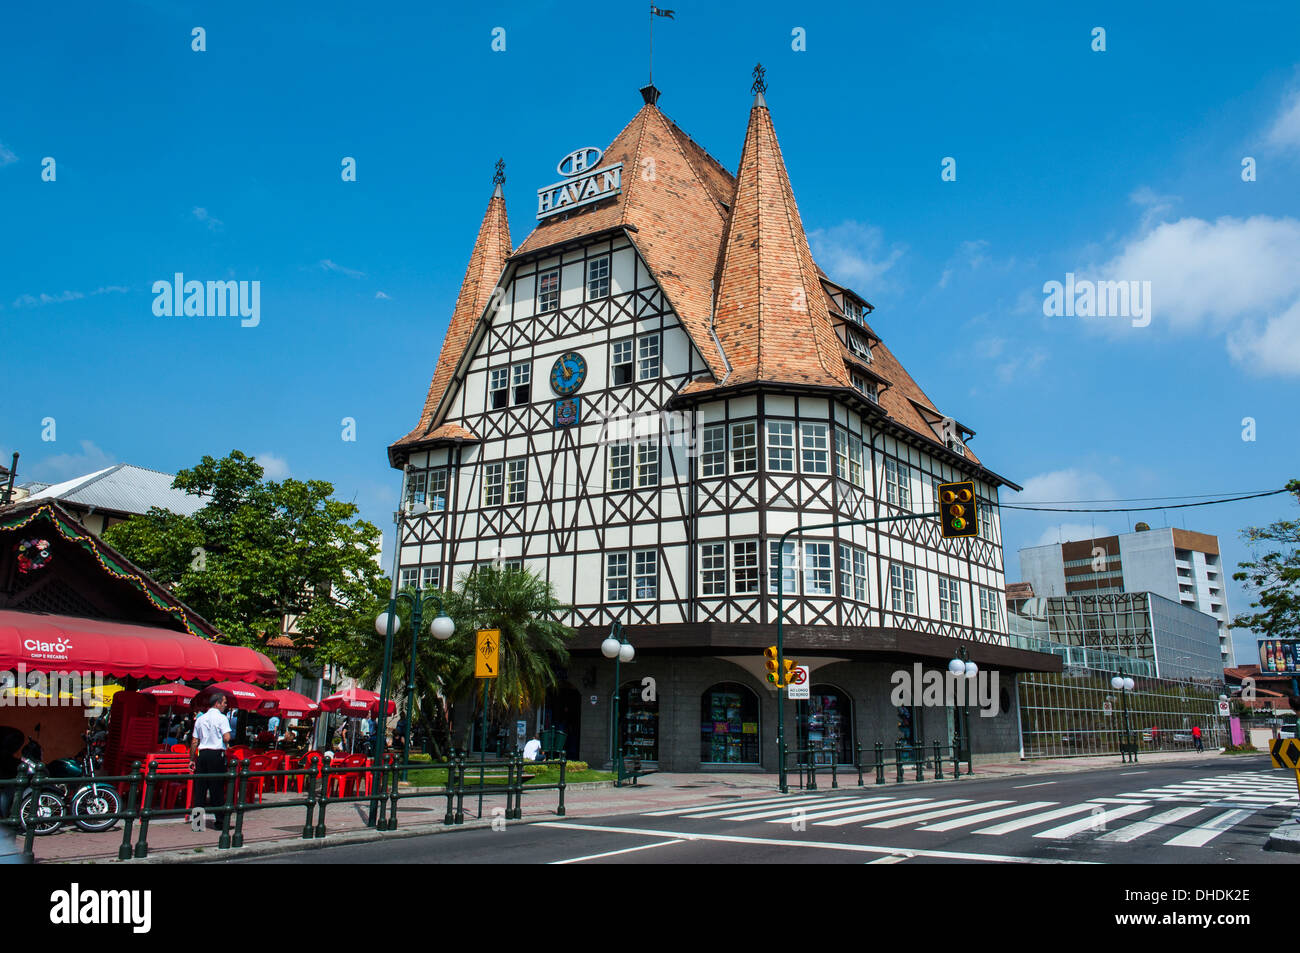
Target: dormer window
x,y
867,389
854,311
858,345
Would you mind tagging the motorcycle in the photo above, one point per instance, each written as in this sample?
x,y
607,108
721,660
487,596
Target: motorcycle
x,y
69,794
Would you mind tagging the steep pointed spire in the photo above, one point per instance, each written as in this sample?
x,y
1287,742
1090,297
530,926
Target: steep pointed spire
x,y
771,312
486,262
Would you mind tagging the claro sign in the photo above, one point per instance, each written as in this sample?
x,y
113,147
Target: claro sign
x,y
47,650
585,182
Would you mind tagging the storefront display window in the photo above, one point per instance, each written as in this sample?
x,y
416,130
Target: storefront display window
x,y
826,721
729,725
639,734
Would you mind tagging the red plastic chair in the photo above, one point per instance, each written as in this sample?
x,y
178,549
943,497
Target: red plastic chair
x,y
311,762
277,761
170,791
179,749
236,752
256,786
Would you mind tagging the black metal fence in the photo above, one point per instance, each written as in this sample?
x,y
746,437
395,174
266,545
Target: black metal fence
x,y
909,762
320,786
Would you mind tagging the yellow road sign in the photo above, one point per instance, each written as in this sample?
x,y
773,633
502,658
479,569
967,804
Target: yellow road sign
x,y
1286,753
487,653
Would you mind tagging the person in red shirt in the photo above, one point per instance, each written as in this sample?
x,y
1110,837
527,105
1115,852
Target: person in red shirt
x,y
1196,737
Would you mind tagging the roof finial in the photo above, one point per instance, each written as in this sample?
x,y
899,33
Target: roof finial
x,y
499,177
760,85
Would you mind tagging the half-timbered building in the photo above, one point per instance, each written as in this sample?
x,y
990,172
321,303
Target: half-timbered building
x,y
639,400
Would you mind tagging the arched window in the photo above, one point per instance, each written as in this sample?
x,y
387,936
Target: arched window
x,y
826,721
729,725
639,723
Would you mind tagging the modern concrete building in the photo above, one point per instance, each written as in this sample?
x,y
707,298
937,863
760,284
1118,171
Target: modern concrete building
x,y
1182,566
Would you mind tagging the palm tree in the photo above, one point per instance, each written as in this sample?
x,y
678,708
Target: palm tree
x,y
532,646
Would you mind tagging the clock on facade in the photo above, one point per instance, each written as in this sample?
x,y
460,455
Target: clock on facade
x,y
569,372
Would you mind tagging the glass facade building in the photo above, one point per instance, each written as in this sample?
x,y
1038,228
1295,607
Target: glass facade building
x,y
1170,651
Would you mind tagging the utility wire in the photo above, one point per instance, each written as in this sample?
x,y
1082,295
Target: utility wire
x,y
1137,509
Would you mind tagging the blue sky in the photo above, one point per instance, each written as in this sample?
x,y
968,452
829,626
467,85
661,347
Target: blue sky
x,y
224,164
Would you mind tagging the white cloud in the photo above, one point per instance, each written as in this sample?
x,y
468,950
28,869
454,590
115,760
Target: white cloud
x,y
380,296
328,265
34,301
1233,276
1059,485
203,216
6,155
275,468
1285,131
854,254
65,466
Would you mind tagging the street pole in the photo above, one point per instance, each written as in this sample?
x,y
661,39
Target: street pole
x,y
398,519
782,782
482,761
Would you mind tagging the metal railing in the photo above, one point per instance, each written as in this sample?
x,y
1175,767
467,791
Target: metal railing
x,y
919,761
320,786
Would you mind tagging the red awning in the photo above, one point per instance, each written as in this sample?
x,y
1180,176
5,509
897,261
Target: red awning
x,y
56,643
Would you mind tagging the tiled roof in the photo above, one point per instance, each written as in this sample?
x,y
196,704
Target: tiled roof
x,y
486,262
693,223
1020,590
772,317
122,488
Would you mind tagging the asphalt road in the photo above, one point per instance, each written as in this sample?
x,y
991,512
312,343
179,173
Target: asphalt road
x,y
1214,811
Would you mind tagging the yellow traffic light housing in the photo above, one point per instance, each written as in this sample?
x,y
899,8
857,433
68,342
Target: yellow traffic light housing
x,y
958,510
769,662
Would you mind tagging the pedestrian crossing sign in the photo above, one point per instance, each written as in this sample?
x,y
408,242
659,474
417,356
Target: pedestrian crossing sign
x,y
1286,753
487,653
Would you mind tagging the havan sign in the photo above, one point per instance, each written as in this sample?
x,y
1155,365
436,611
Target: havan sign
x,y
583,185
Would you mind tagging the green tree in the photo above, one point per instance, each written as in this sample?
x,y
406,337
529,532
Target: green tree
x,y
260,552
1274,579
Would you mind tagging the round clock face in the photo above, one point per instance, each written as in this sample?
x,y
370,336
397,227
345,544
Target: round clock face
x,y
569,372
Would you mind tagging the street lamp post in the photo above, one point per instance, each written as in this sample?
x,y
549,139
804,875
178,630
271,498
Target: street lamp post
x,y
963,667
1123,684
616,647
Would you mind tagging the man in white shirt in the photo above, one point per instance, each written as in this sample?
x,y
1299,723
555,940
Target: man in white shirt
x,y
211,737
533,748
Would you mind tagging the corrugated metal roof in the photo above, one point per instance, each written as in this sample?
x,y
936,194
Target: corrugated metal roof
x,y
125,489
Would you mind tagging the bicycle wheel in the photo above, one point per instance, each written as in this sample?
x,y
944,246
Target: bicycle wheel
x,y
45,817
98,799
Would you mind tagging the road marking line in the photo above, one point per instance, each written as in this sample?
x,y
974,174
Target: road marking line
x,y
611,853
987,816
1129,774
814,845
933,815
1200,836
1038,785
1089,823
1016,825
777,806
1136,830
850,805
891,859
872,815
1121,800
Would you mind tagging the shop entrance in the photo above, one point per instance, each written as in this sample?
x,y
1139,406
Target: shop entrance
x,y
639,723
563,710
826,721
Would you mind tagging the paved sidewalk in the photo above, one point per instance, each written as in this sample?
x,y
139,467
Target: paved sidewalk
x,y
282,826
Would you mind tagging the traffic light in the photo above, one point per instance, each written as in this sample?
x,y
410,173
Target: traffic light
x,y
958,512
780,676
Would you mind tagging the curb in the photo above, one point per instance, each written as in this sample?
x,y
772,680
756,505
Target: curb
x,y
1285,837
209,855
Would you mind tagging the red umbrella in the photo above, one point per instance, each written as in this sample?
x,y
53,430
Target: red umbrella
x,y
356,702
241,695
176,693
293,705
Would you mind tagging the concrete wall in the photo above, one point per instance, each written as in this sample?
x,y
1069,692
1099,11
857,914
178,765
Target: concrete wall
x,y
1044,567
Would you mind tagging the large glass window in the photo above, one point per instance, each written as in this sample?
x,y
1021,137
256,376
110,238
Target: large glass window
x,y
817,569
616,580
729,729
522,376
620,466
826,725
598,277
744,564
713,451
647,463
647,574
493,484
713,569
949,600
647,348
812,439
902,588
498,388
781,569
548,290
416,485
437,489
744,447
639,735
897,483
621,362
518,480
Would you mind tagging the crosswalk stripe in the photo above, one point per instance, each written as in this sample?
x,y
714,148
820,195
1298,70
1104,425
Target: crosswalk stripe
x,y
1200,836
1084,823
1119,800
986,816
1137,829
844,805
745,803
872,815
918,802
1007,827
933,815
789,804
